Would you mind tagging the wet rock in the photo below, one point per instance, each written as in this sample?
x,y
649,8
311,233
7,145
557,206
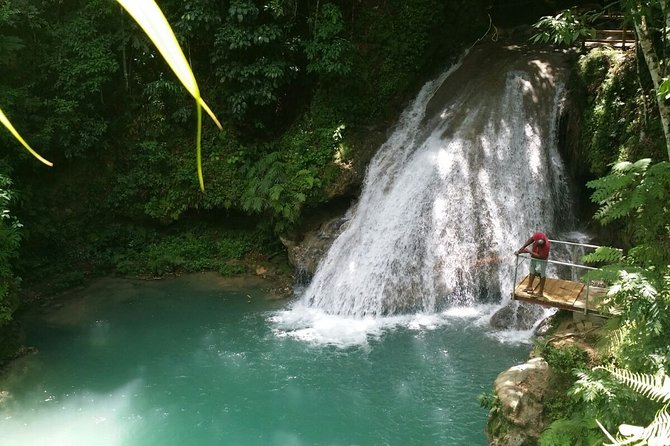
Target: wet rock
x,y
306,254
516,316
544,327
504,317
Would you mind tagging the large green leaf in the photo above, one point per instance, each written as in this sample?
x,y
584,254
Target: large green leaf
x,y
5,121
149,16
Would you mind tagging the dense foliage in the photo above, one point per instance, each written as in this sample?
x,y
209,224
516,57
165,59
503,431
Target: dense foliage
x,y
9,248
625,145
295,84
620,119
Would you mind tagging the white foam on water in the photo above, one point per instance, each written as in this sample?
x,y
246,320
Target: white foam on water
x,y
317,327
513,337
77,420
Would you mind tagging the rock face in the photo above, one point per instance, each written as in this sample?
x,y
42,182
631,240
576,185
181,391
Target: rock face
x,y
516,316
306,249
305,254
517,419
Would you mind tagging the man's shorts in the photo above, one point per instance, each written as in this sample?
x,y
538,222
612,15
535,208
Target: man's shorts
x,y
538,267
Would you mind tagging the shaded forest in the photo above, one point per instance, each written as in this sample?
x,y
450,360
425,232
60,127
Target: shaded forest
x,y
298,86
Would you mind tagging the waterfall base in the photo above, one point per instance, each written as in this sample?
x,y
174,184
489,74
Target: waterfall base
x,y
516,316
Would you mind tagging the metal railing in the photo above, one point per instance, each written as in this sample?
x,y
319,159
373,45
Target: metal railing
x,y
527,257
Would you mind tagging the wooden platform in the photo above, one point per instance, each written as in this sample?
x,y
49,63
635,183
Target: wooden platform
x,y
562,294
616,38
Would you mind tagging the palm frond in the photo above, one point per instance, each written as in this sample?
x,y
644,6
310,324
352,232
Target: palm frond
x,y
618,442
655,387
656,434
659,429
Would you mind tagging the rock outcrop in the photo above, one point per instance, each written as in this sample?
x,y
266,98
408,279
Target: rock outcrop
x,y
516,419
516,316
517,416
304,255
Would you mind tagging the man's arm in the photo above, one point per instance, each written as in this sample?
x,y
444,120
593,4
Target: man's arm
x,y
523,248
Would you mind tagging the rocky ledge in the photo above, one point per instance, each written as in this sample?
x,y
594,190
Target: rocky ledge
x,y
517,415
516,419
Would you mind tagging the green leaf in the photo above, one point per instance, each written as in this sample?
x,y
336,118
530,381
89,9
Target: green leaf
x,y
664,88
5,121
149,16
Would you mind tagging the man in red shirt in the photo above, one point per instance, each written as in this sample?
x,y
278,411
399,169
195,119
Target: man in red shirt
x,y
538,263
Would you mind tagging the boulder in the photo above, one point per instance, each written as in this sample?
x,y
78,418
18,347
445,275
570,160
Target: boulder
x,y
518,420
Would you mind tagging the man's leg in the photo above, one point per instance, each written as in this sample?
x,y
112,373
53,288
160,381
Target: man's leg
x,y
540,292
531,279
543,277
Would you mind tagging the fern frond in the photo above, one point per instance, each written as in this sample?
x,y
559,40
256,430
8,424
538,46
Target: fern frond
x,y
565,431
589,389
641,165
603,254
615,209
654,387
636,282
623,166
615,442
608,187
658,432
630,188
606,273
638,197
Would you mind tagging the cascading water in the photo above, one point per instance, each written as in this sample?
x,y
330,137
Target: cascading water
x,y
471,170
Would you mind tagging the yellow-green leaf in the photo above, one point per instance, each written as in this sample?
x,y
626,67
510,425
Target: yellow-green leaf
x,y
5,121
149,16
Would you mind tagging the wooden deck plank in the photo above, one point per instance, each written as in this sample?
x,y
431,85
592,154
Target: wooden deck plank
x,y
563,294
596,295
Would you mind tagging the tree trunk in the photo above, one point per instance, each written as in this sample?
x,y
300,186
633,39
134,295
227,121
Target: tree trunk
x,y
655,70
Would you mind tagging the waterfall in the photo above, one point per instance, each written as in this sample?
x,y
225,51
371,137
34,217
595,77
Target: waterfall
x,y
471,170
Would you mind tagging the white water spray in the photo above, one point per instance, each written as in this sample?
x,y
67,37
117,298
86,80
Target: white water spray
x,y
471,170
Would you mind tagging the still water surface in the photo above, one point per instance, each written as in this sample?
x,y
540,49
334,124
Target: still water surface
x,y
193,361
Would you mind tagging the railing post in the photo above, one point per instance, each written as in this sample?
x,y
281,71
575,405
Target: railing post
x,y
573,266
516,270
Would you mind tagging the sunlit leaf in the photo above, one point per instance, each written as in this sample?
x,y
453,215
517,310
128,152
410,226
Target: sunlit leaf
x,y
628,430
12,130
149,16
664,88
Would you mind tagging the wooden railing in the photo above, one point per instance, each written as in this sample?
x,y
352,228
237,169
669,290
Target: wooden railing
x,y
611,30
